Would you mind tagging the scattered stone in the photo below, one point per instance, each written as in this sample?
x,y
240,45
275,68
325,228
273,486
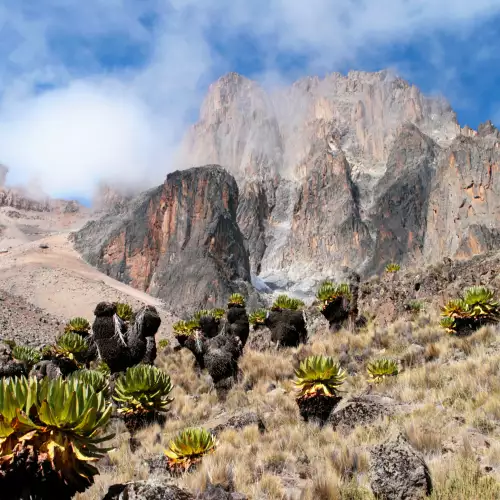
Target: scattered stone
x,y
152,489
238,422
12,369
218,492
362,410
160,489
398,471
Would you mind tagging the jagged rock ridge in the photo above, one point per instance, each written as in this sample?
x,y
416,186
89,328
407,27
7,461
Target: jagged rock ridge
x,y
21,199
348,170
179,241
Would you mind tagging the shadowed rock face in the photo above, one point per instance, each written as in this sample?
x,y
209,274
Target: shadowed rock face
x,y
327,231
462,219
402,195
179,241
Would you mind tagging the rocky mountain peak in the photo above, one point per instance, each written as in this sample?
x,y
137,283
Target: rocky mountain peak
x,y
275,143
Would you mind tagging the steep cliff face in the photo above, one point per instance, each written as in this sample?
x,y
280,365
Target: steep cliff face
x,y
178,241
399,217
326,230
278,146
463,217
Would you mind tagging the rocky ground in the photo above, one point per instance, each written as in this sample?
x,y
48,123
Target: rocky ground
x,y
48,280
439,417
25,323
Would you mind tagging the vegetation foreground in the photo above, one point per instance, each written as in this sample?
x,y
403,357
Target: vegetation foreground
x,y
281,410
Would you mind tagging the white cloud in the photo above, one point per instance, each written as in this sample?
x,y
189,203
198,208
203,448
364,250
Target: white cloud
x,y
99,124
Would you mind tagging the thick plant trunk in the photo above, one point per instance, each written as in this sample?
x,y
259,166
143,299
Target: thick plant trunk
x,y
317,409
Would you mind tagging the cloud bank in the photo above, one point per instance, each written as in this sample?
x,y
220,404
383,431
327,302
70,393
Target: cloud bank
x,y
102,90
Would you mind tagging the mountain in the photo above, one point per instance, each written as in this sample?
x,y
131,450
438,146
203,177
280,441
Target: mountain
x,y
354,170
349,170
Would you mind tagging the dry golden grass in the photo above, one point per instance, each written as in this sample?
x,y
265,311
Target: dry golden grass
x,y
452,384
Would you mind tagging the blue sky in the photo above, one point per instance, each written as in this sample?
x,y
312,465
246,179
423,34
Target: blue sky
x,y
102,90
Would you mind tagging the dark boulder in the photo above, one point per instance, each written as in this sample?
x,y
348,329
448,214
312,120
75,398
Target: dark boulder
x,y
238,422
158,489
317,409
10,368
398,471
218,492
53,368
362,410
152,489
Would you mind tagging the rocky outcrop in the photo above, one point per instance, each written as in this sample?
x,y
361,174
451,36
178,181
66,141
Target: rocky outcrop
x,y
161,489
350,170
153,489
399,472
389,297
363,410
179,242
237,422
19,200
22,198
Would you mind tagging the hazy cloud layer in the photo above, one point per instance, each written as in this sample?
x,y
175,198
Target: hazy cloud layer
x,y
103,89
